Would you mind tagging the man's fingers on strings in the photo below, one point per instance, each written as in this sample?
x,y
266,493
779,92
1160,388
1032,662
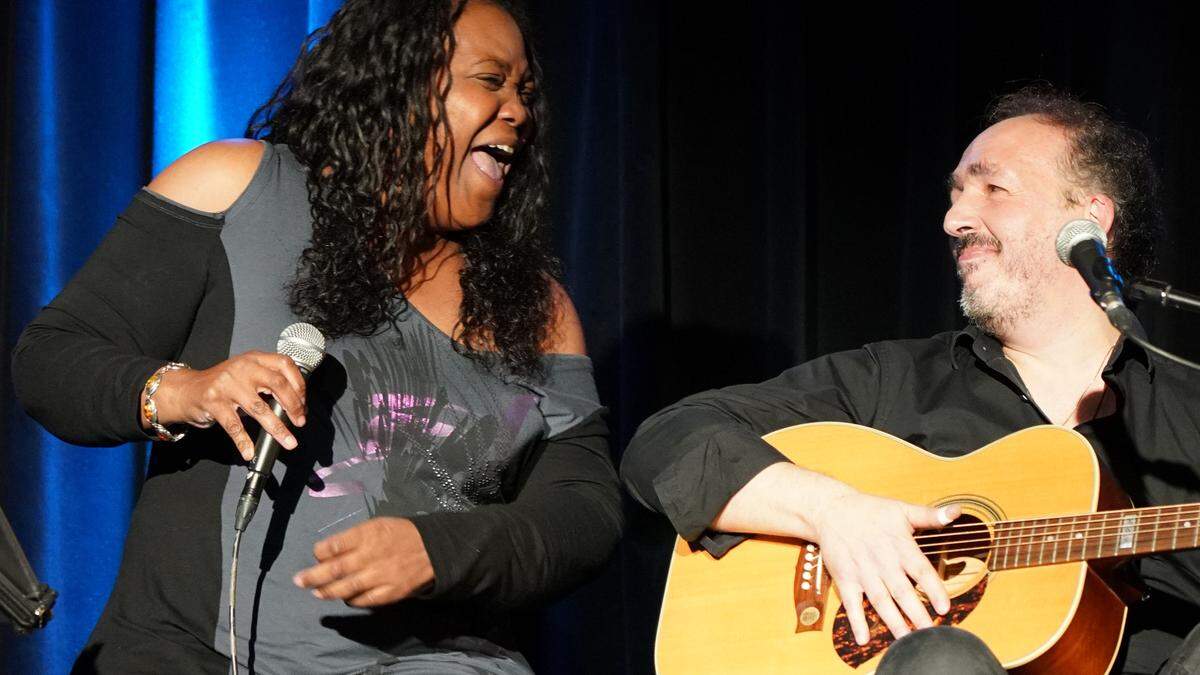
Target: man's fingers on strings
x,y
924,518
885,606
927,517
905,596
918,568
852,597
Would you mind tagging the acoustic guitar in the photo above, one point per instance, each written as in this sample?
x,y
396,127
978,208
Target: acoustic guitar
x,y
1028,565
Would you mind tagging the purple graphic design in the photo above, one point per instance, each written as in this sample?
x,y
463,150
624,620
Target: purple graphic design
x,y
402,409
455,445
370,453
396,409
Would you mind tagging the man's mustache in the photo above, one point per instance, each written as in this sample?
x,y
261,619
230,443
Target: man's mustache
x,y
958,244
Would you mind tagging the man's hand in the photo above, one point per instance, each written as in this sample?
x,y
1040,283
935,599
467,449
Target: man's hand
x,y
374,563
867,544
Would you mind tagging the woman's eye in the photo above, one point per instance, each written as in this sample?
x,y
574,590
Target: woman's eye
x,y
996,188
492,82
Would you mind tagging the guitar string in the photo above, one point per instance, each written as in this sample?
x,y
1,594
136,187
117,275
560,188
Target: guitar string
x,y
1022,542
1028,523
1102,529
1083,541
1063,529
1005,539
1041,557
1095,514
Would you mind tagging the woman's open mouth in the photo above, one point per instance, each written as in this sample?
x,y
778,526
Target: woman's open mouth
x,y
493,160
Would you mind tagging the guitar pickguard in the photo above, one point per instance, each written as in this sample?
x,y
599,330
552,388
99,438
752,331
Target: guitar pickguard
x,y
855,654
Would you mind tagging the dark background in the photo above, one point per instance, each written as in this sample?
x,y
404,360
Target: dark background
x,y
740,188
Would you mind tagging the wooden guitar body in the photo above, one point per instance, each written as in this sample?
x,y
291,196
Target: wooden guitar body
x,y
741,613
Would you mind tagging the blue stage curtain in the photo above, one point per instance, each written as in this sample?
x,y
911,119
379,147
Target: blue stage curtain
x,y
99,95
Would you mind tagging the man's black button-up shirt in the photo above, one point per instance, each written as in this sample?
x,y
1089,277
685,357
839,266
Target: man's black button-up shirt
x,y
949,394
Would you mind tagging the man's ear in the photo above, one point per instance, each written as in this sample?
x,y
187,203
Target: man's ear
x,y
1103,210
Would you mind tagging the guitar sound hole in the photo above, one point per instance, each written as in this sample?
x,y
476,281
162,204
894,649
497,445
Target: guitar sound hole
x,y
961,548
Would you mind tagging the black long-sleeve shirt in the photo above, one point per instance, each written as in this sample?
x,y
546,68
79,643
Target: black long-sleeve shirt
x,y
949,394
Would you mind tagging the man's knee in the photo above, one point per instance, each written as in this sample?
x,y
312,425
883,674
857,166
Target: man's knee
x,y
941,649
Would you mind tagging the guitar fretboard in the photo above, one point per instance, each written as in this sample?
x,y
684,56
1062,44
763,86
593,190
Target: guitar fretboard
x,y
1107,534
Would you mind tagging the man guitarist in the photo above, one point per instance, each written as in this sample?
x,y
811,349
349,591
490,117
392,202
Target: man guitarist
x,y
1038,351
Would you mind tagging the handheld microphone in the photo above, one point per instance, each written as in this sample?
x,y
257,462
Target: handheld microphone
x,y
306,347
1080,244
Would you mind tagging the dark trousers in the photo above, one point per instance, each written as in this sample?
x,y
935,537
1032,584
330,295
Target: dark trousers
x,y
945,649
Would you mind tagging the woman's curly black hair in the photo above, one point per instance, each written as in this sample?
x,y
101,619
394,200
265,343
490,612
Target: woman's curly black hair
x,y
356,111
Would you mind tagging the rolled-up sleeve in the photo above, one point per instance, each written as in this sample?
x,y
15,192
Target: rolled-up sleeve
x,y
689,459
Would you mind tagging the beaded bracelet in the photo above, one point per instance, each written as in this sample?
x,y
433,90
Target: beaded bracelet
x,y
150,409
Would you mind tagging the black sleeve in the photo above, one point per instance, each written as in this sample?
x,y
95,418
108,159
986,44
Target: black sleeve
x,y
80,365
560,528
689,459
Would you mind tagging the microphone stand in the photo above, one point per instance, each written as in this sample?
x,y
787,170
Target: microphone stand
x,y
1163,294
24,601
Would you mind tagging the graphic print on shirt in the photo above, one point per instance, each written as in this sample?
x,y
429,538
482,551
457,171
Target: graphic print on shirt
x,y
422,439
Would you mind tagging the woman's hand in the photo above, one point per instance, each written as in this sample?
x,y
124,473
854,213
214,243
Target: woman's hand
x,y
867,544
374,563
201,397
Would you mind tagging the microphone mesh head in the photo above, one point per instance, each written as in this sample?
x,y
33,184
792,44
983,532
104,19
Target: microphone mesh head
x,y
304,344
1074,232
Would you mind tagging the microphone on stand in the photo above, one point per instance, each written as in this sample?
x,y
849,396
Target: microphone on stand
x,y
306,347
1080,244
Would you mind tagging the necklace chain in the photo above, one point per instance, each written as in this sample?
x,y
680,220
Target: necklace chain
x,y
1087,387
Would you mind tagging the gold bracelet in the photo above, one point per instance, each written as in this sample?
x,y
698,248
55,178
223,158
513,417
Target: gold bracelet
x,y
150,409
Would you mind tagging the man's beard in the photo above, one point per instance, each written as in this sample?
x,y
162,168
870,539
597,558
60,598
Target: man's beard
x,y
1009,298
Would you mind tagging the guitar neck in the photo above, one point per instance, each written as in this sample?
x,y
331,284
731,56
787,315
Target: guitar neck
x,y
1106,534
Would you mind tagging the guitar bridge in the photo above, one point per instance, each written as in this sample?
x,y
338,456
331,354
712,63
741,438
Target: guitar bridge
x,y
809,589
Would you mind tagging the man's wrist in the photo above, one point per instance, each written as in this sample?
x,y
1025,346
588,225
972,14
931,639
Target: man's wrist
x,y
821,494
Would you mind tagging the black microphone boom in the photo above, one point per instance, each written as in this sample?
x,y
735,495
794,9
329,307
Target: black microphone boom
x,y
1080,244
1164,294
306,347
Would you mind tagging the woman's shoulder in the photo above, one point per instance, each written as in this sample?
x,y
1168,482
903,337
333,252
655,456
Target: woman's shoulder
x,y
565,335
211,177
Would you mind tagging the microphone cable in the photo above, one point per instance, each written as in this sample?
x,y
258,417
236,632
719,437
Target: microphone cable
x,y
233,576
1145,344
1165,295
305,345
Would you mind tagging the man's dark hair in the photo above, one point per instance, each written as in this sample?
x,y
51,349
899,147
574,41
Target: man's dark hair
x,y
1105,156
